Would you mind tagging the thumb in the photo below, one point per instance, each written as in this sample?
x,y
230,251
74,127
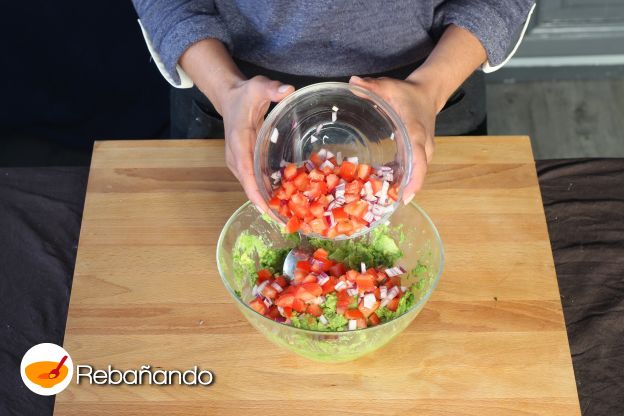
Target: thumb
x,y
277,91
370,84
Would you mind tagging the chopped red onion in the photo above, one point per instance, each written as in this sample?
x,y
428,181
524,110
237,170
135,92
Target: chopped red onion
x,y
339,158
392,136
334,116
352,291
340,286
353,159
362,267
329,154
309,165
261,286
369,217
352,324
394,271
392,293
322,154
274,135
318,128
323,320
334,108
316,263
383,292
322,279
369,300
330,198
267,302
326,164
280,309
277,287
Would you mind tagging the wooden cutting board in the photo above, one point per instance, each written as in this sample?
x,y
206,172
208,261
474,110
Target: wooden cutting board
x,y
146,291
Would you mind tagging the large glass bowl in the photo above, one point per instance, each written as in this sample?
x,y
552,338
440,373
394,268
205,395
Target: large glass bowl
x,y
337,117
421,244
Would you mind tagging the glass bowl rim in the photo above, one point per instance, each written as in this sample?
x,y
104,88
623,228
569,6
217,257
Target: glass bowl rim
x,y
329,87
421,302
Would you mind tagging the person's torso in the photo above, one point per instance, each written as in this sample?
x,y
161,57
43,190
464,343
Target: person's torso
x,y
329,38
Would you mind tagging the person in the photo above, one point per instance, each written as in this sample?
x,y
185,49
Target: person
x,y
240,56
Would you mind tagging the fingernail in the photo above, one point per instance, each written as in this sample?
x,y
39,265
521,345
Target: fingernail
x,y
283,88
408,199
356,78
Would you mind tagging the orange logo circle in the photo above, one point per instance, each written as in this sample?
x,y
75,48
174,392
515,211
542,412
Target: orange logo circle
x,y
46,369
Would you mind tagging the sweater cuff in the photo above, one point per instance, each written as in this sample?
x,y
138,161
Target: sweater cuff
x,y
491,25
177,40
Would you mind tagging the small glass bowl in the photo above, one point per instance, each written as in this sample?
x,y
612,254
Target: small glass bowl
x,y
337,117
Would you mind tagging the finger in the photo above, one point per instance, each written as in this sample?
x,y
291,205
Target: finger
x,y
279,91
419,170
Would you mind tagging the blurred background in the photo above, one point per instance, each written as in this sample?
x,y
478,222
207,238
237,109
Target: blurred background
x,y
67,84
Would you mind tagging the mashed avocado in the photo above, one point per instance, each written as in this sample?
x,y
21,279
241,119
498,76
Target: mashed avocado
x,y
376,249
251,254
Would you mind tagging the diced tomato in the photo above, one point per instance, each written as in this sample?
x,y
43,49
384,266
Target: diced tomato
x,y
348,170
299,276
352,275
327,263
313,288
363,171
290,171
299,305
337,270
357,209
264,274
298,206
281,280
327,170
315,190
311,278
393,192
305,228
393,281
301,181
381,276
293,225
303,265
258,306
344,227
361,323
373,319
275,203
273,312
353,314
314,310
365,283
367,311
393,304
316,159
323,200
358,223
308,218
332,181
316,175
285,299
269,291
287,312
320,253
354,187
339,214
317,209
376,184
329,285
289,189
332,233
284,211
319,226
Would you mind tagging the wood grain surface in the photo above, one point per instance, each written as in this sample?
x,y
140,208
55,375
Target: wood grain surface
x,y
491,340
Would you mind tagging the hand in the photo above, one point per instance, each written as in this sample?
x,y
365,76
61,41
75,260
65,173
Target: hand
x,y
417,108
243,107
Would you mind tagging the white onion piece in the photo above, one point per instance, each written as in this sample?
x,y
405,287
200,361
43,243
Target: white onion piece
x,y
383,292
334,108
274,135
369,217
322,154
340,286
363,267
353,159
322,280
392,136
318,128
323,320
339,158
352,291
329,154
262,285
326,164
352,324
267,302
334,116
277,287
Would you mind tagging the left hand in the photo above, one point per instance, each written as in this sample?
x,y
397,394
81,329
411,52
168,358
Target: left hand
x,y
416,105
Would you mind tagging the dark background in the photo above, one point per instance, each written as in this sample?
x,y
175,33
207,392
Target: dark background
x,y
73,72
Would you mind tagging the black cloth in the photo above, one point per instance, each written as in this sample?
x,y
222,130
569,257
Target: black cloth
x,y
194,117
40,213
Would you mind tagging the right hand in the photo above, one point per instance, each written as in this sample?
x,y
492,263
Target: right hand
x,y
243,107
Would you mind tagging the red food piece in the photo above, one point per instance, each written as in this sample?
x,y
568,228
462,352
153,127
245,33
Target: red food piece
x,y
347,170
258,306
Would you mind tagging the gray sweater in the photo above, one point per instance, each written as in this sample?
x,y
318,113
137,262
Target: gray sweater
x,y
327,37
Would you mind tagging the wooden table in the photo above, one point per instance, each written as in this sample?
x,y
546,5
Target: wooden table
x,y
491,340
